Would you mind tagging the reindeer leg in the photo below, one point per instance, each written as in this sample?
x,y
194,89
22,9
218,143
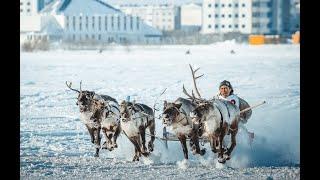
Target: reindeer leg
x,y
195,147
152,132
90,130
115,137
182,139
97,139
142,131
234,131
222,150
213,144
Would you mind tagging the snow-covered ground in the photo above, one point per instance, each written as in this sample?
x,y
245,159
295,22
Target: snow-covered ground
x,y
55,144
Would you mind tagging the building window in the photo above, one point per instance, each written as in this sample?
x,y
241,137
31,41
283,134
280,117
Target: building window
x,y
222,15
67,22
243,5
209,26
74,23
169,27
222,5
21,3
28,3
243,26
229,15
209,5
131,23
229,26
269,14
92,37
243,15
216,5
99,23
74,37
236,5
87,19
216,15
236,25
119,22
125,23
229,5
138,23
28,10
255,4
92,22
236,15
209,15
222,26
21,10
106,23
99,37
112,22
269,4
87,36
80,23
216,26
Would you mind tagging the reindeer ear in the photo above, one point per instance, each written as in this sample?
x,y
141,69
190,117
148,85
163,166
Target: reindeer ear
x,y
165,103
178,105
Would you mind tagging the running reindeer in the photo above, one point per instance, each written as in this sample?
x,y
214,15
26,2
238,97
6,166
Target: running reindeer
x,y
216,118
97,113
134,119
177,115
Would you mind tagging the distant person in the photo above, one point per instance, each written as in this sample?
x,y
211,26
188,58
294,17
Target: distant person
x,y
188,52
232,51
226,93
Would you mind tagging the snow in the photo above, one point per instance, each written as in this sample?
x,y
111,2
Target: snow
x,y
55,144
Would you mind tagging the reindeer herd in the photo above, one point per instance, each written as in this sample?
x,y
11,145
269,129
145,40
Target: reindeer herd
x,y
191,118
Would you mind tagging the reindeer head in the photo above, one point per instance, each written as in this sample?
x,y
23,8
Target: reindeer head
x,y
170,112
124,111
84,100
202,109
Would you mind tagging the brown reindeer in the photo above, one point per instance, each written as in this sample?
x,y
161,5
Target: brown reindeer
x,y
134,119
216,118
90,113
176,115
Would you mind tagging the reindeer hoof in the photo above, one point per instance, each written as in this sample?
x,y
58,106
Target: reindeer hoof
x,y
135,158
96,155
226,157
150,147
222,160
145,154
203,151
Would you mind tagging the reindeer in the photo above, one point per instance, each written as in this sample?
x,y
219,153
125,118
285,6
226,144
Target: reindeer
x,y
108,114
177,115
90,113
134,119
216,118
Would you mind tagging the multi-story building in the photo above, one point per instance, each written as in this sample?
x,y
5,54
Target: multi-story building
x,y
191,17
30,19
163,17
223,16
262,16
93,20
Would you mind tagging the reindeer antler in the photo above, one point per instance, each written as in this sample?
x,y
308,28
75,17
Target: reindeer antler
x,y
69,86
194,79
